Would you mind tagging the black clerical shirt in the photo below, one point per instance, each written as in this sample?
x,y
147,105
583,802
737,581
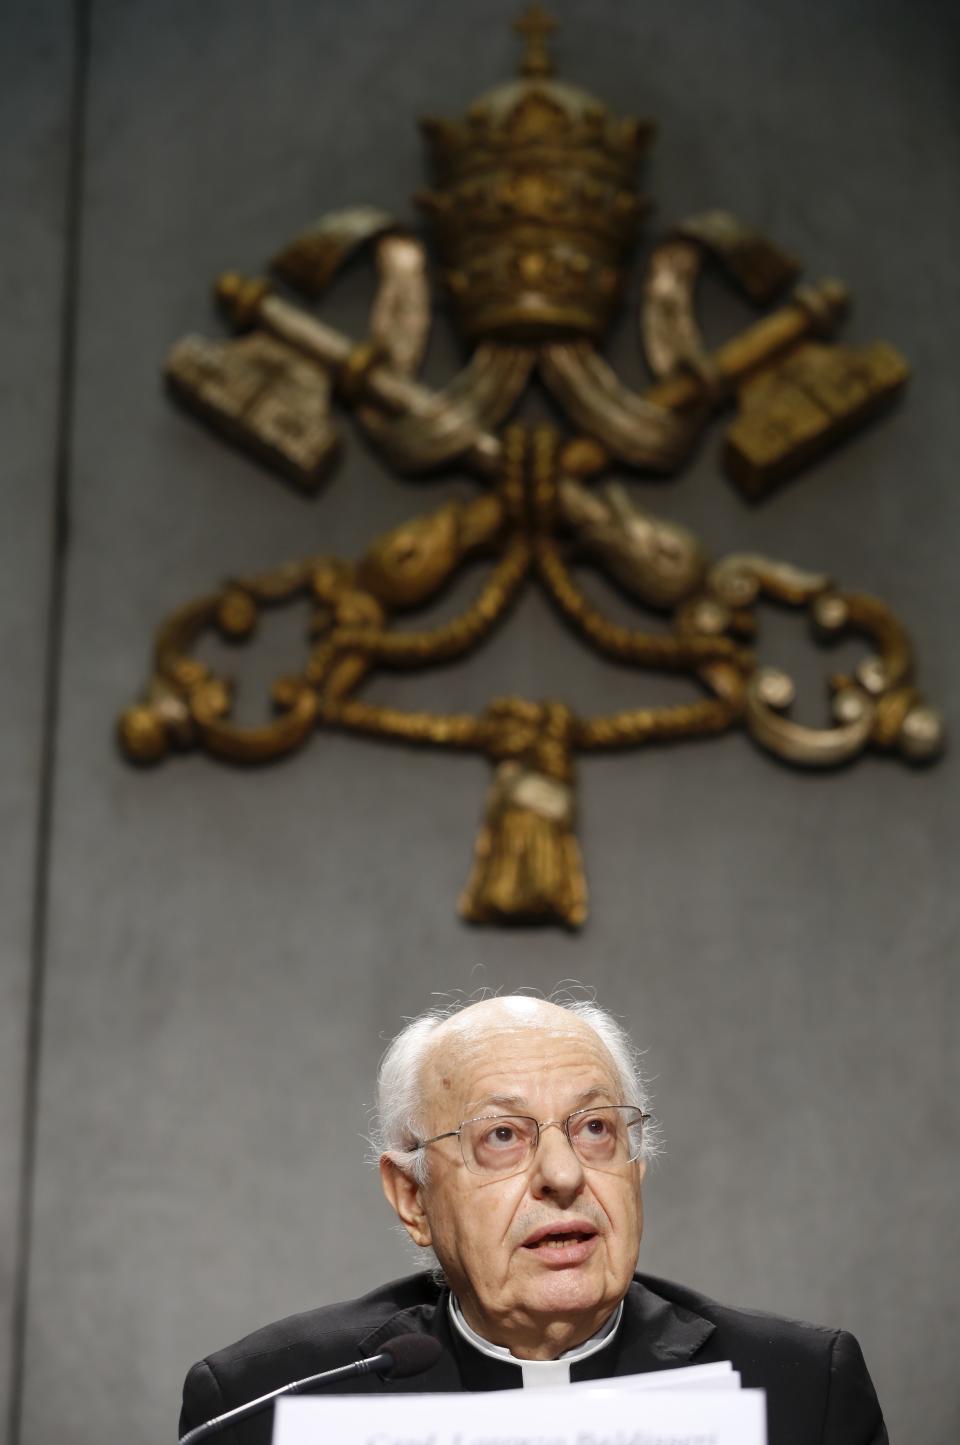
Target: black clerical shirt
x,y
817,1385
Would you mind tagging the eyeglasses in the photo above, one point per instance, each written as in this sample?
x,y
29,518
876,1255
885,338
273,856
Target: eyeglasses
x,y
498,1145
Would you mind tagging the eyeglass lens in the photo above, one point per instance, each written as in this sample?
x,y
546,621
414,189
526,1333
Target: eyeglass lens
x,y
605,1138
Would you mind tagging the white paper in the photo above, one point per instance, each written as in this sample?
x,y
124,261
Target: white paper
x,y
720,1376
527,1417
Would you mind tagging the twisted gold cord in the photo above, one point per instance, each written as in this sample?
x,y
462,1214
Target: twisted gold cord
x,y
649,724
455,730
453,639
645,649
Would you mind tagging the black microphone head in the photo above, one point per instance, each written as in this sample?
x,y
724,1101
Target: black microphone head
x,y
409,1355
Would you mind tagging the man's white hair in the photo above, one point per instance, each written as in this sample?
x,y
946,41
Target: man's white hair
x,y
398,1119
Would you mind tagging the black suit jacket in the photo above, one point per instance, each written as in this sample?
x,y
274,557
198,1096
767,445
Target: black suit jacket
x,y
818,1389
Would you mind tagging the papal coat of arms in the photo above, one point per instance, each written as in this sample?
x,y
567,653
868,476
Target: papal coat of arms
x,y
535,214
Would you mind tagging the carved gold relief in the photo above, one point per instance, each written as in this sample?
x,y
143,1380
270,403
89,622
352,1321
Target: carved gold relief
x,y
535,211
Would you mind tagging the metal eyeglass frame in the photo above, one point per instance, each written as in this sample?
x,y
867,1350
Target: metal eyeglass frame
x,y
562,1124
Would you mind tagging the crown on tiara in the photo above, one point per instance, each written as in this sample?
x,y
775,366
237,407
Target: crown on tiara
x,y
535,206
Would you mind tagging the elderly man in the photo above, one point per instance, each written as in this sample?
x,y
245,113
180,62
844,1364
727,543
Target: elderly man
x,y
514,1146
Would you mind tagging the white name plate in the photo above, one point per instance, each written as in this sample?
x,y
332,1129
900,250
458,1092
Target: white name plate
x,y
526,1417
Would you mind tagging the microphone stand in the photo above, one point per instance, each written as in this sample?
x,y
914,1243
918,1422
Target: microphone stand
x,y
384,1361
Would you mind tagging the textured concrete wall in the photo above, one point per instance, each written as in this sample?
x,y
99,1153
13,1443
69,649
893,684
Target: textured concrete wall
x,y
224,953
35,101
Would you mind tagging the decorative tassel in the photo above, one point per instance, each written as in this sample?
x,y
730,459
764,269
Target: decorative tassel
x,y
527,862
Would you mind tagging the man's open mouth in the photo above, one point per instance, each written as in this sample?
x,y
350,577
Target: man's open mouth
x,y
560,1238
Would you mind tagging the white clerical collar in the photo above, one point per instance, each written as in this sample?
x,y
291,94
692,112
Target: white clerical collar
x,y
538,1372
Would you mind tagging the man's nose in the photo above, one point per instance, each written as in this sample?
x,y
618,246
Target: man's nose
x,y
557,1172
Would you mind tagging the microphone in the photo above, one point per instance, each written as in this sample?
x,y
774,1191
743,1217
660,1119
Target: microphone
x,y
401,1357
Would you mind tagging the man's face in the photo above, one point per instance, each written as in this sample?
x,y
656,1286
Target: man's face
x,y
516,1288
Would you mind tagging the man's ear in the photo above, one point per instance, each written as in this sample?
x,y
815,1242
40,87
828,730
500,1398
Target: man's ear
x,y
403,1194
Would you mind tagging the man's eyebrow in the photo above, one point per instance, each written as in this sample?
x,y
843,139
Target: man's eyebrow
x,y
502,1101
588,1095
516,1103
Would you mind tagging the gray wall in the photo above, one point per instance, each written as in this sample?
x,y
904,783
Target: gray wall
x,y
191,1015
36,65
